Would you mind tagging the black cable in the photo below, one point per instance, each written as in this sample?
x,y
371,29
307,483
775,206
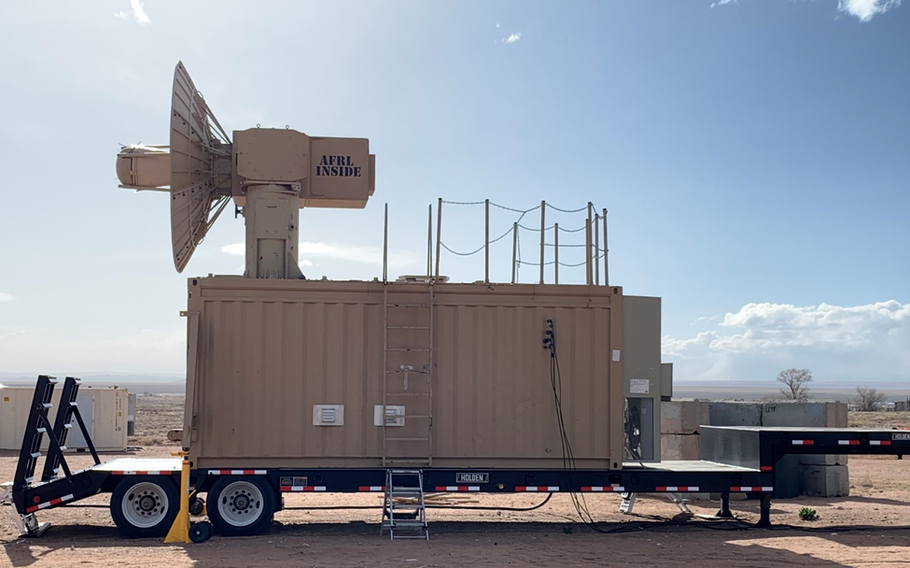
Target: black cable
x,y
430,506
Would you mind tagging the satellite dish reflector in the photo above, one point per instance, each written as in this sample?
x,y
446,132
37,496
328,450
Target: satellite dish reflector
x,y
200,168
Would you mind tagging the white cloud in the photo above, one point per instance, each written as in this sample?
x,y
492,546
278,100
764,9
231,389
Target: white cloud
x,y
305,262
236,249
870,340
335,251
136,13
5,297
513,37
866,9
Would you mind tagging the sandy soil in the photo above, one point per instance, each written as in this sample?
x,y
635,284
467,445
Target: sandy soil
x,y
871,528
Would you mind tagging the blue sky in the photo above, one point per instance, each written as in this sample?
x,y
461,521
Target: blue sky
x,y
754,156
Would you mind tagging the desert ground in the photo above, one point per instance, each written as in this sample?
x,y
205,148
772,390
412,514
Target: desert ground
x,y
871,528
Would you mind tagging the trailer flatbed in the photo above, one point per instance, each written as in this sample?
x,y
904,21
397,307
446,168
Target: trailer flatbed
x,y
145,492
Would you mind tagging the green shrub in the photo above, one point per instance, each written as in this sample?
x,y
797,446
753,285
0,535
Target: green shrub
x,y
807,514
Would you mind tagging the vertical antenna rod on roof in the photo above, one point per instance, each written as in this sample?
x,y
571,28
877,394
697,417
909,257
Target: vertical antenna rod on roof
x,y
543,212
596,249
589,274
606,263
438,233
430,240
486,242
514,250
385,244
556,253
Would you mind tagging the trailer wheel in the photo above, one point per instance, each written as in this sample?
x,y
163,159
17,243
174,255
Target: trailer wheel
x,y
145,506
240,506
201,531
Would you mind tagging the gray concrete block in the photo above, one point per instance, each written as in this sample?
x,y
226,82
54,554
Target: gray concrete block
x,y
679,446
808,414
833,459
683,416
837,414
791,413
824,480
723,413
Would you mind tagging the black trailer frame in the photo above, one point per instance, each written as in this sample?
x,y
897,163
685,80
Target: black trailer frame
x,y
733,460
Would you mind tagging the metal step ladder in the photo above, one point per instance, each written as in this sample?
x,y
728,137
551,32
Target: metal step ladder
x,y
52,488
404,511
407,385
67,410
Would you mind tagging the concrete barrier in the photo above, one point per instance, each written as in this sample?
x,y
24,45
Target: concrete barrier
x,y
730,413
679,446
811,475
824,480
683,416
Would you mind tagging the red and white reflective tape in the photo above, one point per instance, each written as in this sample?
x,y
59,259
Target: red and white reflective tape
x,y
371,488
150,472
766,468
879,442
848,442
457,488
533,488
803,442
677,489
50,503
604,488
289,488
751,489
236,472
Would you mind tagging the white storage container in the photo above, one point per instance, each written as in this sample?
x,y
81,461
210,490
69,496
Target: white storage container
x,y
104,411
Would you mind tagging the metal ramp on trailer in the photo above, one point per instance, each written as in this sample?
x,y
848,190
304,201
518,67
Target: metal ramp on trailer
x,y
59,485
30,497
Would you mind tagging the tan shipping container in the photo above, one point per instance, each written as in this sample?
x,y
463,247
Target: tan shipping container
x,y
265,352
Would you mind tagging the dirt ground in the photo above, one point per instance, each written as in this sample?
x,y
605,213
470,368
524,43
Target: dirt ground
x,y
871,528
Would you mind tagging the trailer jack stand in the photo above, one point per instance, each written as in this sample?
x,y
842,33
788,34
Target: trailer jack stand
x,y
28,525
724,511
765,520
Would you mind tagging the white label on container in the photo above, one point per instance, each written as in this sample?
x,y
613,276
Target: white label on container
x,y
616,354
639,386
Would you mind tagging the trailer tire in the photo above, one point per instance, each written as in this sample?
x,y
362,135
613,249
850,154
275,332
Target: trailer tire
x,y
145,506
241,506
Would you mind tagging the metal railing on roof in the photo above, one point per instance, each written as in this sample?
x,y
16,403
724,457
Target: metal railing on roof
x,y
595,225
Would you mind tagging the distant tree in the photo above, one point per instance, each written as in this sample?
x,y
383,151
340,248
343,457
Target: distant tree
x,y
867,399
795,380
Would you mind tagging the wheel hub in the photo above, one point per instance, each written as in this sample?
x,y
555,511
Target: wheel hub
x,y
241,502
147,504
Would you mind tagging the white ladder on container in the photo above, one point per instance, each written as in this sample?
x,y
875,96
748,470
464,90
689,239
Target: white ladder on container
x,y
408,356
404,509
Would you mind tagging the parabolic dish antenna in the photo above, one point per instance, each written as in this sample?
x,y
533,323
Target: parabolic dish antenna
x,y
270,174
200,168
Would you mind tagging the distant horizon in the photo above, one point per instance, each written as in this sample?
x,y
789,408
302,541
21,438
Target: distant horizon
x,y
169,383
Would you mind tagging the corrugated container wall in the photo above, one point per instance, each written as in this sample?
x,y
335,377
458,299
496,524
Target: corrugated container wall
x,y
267,351
103,410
